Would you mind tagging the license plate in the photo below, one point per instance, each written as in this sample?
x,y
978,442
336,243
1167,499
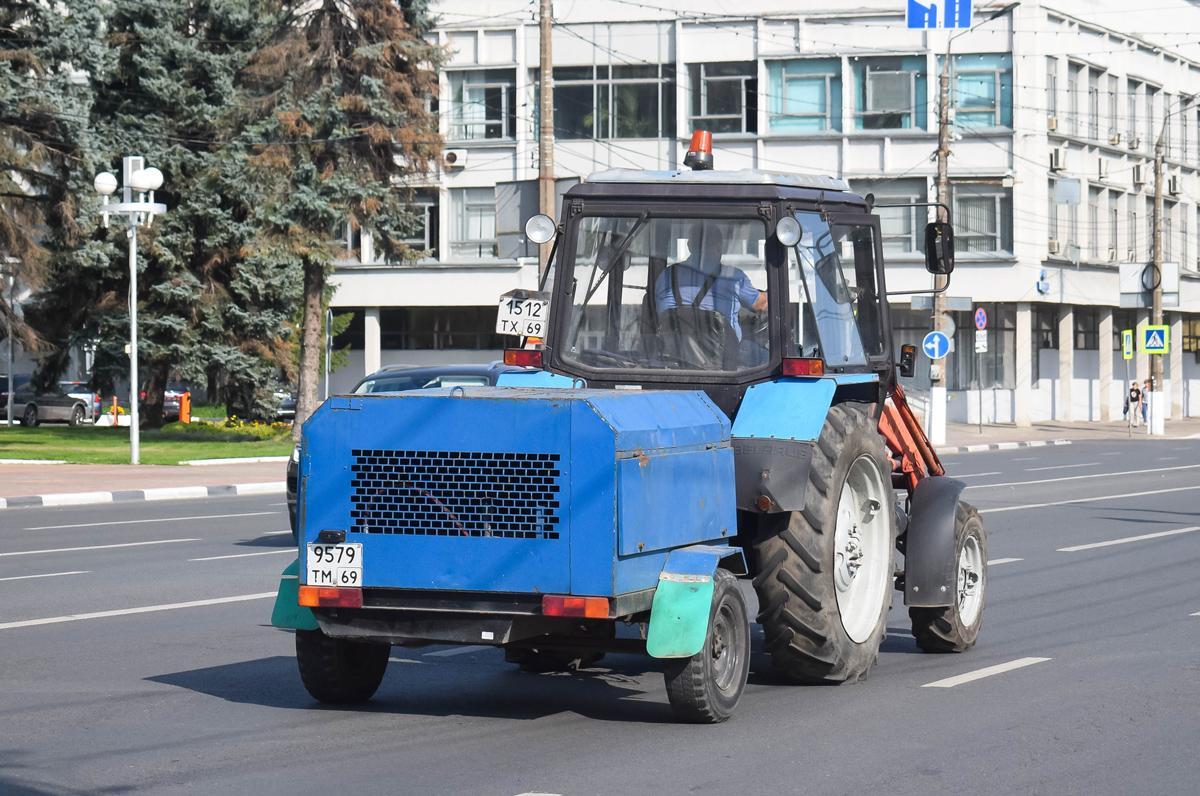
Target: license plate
x,y
338,565
523,314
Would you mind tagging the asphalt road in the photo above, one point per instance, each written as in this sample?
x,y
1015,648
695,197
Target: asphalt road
x,y
205,698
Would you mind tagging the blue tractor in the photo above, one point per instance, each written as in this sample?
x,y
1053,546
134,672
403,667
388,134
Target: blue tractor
x,y
712,395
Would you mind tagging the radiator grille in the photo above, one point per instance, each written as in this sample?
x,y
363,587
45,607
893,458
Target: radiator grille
x,y
454,493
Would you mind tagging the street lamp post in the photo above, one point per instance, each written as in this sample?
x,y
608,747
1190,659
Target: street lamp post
x,y
142,181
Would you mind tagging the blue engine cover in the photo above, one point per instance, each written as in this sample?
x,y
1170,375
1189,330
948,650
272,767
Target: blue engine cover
x,y
562,491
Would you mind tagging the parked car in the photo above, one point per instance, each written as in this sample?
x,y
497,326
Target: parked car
x,y
80,390
171,395
287,403
397,378
33,407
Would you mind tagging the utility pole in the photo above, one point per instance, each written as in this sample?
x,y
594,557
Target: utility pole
x,y
1156,424
546,123
11,279
937,394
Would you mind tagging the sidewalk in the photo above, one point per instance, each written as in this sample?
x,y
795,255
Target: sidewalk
x,y
78,484
961,435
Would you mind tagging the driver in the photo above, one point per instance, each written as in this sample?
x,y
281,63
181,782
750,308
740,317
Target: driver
x,y
730,288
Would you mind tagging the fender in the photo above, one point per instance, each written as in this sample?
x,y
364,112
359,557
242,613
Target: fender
x,y
683,600
930,576
289,613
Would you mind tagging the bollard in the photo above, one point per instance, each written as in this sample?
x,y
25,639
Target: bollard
x,y
185,408
114,412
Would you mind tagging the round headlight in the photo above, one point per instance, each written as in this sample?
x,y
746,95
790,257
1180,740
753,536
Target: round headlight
x,y
788,231
143,180
105,183
539,228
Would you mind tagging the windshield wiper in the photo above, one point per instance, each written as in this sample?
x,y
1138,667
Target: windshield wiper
x,y
625,242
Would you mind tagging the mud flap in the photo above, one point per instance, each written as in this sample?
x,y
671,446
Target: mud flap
x,y
683,600
288,612
930,566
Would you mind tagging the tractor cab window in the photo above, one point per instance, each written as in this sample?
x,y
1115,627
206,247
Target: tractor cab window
x,y
837,315
668,294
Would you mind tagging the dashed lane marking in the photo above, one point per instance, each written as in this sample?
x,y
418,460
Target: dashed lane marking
x,y
974,475
1089,475
1129,539
1086,500
455,651
950,682
157,519
48,575
246,555
53,620
994,562
1062,467
96,547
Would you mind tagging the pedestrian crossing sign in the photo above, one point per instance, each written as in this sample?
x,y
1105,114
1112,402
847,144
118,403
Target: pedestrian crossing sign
x,y
1127,344
1156,339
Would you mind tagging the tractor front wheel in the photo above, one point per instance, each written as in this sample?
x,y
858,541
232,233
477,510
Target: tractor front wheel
x,y
824,573
339,670
955,628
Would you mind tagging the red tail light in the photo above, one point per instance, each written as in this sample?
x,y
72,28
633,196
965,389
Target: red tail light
x,y
523,357
590,607
803,367
320,597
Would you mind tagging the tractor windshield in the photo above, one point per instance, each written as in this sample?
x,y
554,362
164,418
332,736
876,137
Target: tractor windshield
x,y
668,293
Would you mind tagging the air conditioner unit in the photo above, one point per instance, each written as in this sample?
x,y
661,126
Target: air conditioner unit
x,y
1058,159
1135,142
1103,170
1053,246
454,158
1112,254
1052,123
1139,175
1174,186
1115,139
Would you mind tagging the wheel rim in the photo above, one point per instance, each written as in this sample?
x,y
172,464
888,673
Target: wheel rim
x,y
862,548
30,415
970,581
725,648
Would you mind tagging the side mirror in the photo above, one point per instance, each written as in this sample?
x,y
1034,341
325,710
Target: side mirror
x,y
939,248
908,361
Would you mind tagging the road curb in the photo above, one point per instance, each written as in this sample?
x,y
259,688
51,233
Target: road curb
x,y
126,495
1003,446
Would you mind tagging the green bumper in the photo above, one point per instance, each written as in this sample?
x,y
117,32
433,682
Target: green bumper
x,y
288,611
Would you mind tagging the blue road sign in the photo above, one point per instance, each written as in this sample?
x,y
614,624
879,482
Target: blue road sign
x,y
981,319
936,345
957,14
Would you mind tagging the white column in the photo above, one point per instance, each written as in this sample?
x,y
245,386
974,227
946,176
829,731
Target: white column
x,y
1066,361
1106,363
1141,361
370,340
1176,363
1024,359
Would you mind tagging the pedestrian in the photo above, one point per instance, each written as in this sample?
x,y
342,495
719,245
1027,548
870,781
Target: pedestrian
x,y
1145,400
1133,402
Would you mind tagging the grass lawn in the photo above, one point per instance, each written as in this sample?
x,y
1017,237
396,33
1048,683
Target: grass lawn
x,y
91,445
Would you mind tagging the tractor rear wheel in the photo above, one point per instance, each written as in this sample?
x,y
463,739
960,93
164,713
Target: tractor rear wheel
x,y
339,670
955,628
706,687
824,573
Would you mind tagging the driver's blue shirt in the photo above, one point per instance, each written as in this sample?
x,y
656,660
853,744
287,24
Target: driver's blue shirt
x,y
731,288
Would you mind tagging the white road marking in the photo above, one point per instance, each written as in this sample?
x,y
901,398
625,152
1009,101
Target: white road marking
x,y
455,651
1113,453
275,533
1089,475
96,547
539,794
1027,459
49,575
53,620
1196,614
1129,539
1062,467
995,561
950,682
1167,458
973,475
1087,500
159,519
291,550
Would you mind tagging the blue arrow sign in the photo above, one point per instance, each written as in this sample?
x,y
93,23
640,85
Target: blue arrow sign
x,y
936,345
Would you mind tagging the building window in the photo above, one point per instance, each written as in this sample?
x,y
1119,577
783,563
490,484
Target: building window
x,y
1045,326
1113,224
1052,214
982,217
1087,328
1183,238
1073,78
348,243
982,89
724,97
1052,86
423,236
623,101
1093,224
995,369
437,328
1113,123
1131,92
483,104
1132,232
889,93
1093,123
1151,95
1149,228
1122,320
1191,336
902,227
805,95
1184,113
473,231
